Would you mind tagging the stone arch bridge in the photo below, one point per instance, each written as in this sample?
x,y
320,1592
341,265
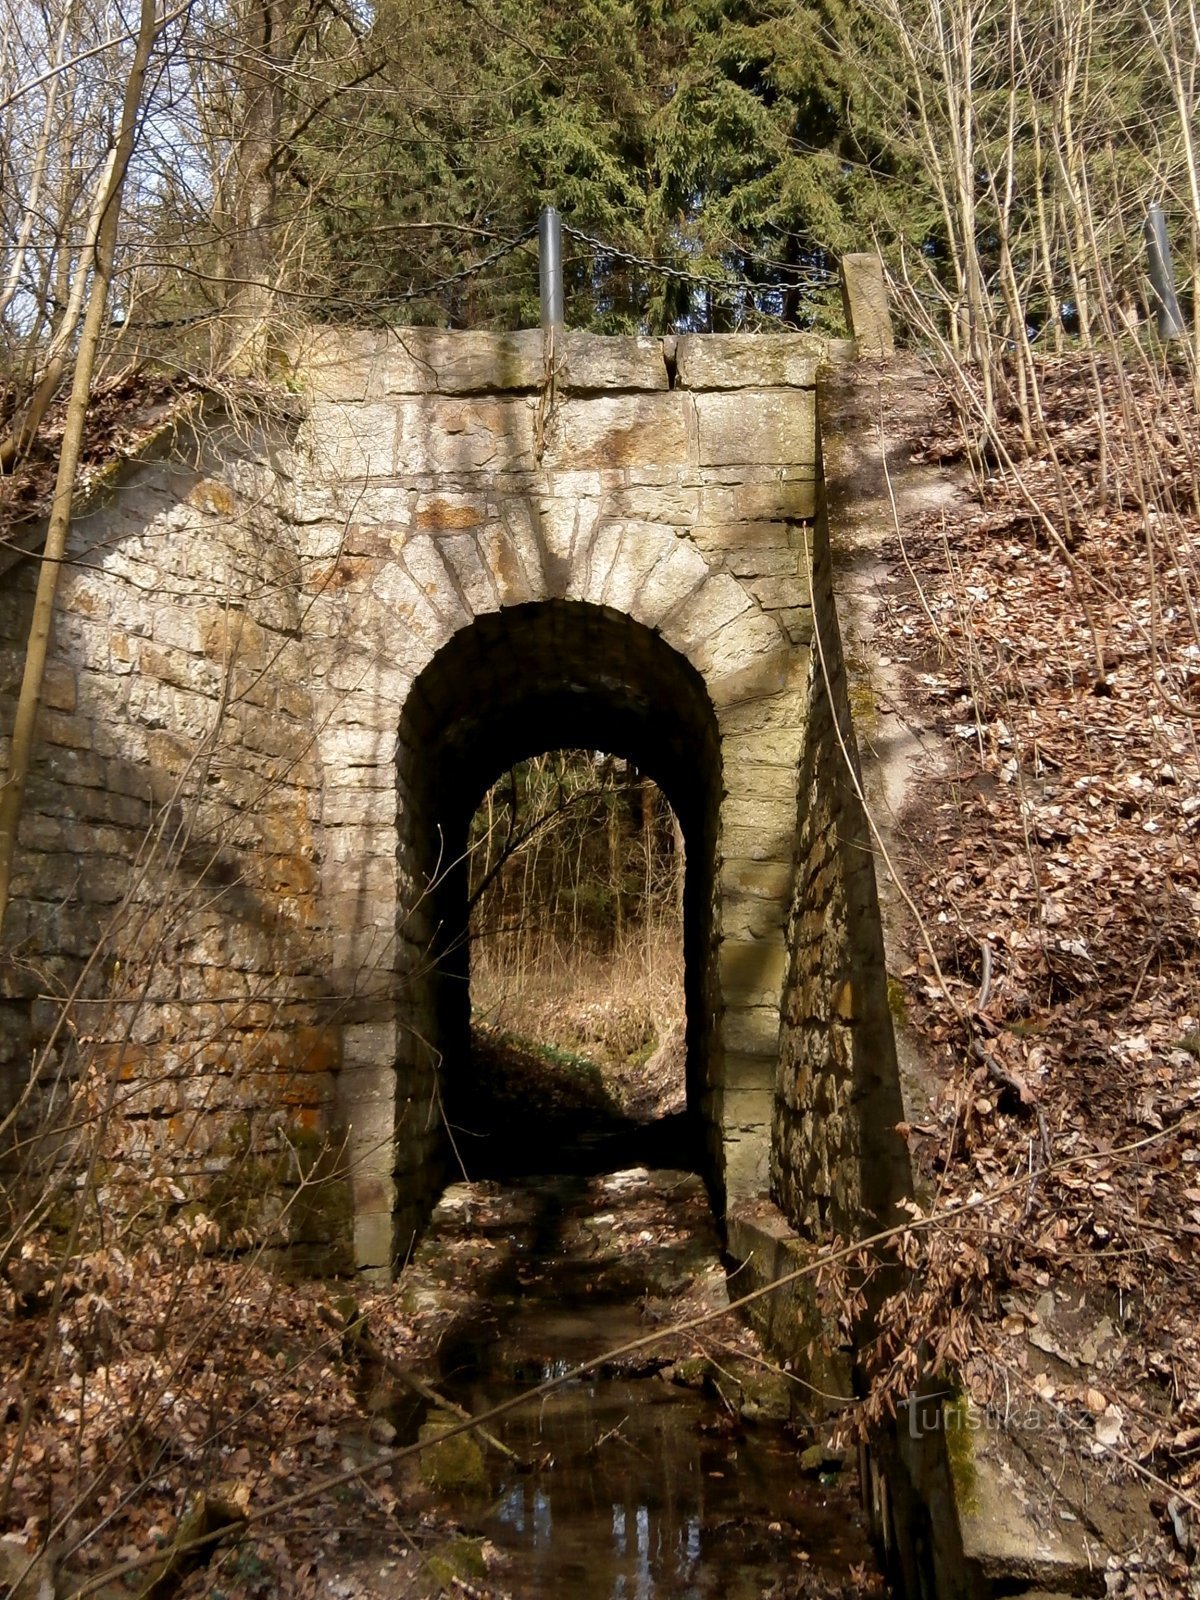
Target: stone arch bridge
x,y
296,643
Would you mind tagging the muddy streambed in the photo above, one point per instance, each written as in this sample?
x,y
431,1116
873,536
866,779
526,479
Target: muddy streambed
x,y
680,1470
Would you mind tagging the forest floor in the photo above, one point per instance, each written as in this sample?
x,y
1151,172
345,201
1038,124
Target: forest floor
x,y
313,1430
1040,645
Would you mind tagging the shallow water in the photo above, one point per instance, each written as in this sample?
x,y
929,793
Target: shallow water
x,y
637,1501
631,1486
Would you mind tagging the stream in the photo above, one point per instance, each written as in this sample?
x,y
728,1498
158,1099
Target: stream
x,y
678,1472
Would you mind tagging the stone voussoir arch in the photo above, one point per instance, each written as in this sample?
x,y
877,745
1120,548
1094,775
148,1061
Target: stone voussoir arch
x,y
445,515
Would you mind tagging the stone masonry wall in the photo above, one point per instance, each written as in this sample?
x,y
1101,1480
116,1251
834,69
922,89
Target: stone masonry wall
x,y
229,837
670,482
166,974
837,1160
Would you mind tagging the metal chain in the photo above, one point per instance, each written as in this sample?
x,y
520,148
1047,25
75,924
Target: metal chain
x,y
809,279
406,295
813,277
498,254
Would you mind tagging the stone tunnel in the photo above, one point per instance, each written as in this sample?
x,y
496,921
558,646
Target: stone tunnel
x,y
298,639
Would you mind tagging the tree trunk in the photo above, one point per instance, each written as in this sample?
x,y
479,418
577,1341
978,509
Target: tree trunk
x,y
13,792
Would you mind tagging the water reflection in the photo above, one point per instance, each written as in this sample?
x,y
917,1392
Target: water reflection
x,y
634,1500
634,1487
645,1555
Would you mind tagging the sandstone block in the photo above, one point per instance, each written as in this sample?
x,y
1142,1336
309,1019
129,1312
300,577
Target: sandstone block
x,y
675,503
56,727
367,879
717,603
368,807
768,880
758,427
752,970
562,528
787,496
81,768
355,366
445,436
360,957
593,563
758,564
521,520
400,622
865,300
726,535
583,485
747,1109
470,571
337,364
680,570
749,1071
58,686
354,746
425,563
781,592
450,513
758,843
349,442
619,431
639,546
368,1095
503,568
768,747
373,1233
745,1161
355,841
594,362
434,361
775,677
752,636
734,361
752,1030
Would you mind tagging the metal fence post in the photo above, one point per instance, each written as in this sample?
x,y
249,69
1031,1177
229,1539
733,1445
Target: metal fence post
x,y
550,274
1162,276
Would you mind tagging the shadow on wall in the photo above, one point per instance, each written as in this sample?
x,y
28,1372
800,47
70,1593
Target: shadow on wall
x,y
168,855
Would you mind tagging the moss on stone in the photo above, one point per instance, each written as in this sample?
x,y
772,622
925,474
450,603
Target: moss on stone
x,y
864,708
294,1191
897,1000
457,1559
694,1372
766,1394
452,1466
960,1452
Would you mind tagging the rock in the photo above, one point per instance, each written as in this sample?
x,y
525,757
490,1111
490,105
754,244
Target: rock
x,y
457,1562
822,1457
382,1431
766,1395
693,1373
452,1466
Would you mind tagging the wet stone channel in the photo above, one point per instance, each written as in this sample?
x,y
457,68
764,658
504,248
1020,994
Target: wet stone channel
x,y
683,1469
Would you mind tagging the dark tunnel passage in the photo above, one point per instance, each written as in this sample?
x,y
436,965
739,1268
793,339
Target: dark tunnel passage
x,y
515,684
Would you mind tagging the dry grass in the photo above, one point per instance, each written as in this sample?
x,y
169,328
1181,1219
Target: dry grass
x,y
621,1008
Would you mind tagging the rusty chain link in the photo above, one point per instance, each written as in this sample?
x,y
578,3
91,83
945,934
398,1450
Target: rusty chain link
x,y
812,277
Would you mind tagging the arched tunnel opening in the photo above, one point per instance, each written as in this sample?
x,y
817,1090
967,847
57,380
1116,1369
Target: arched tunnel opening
x,y
547,677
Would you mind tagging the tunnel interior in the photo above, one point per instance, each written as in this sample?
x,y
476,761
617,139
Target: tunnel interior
x,y
514,684
576,870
